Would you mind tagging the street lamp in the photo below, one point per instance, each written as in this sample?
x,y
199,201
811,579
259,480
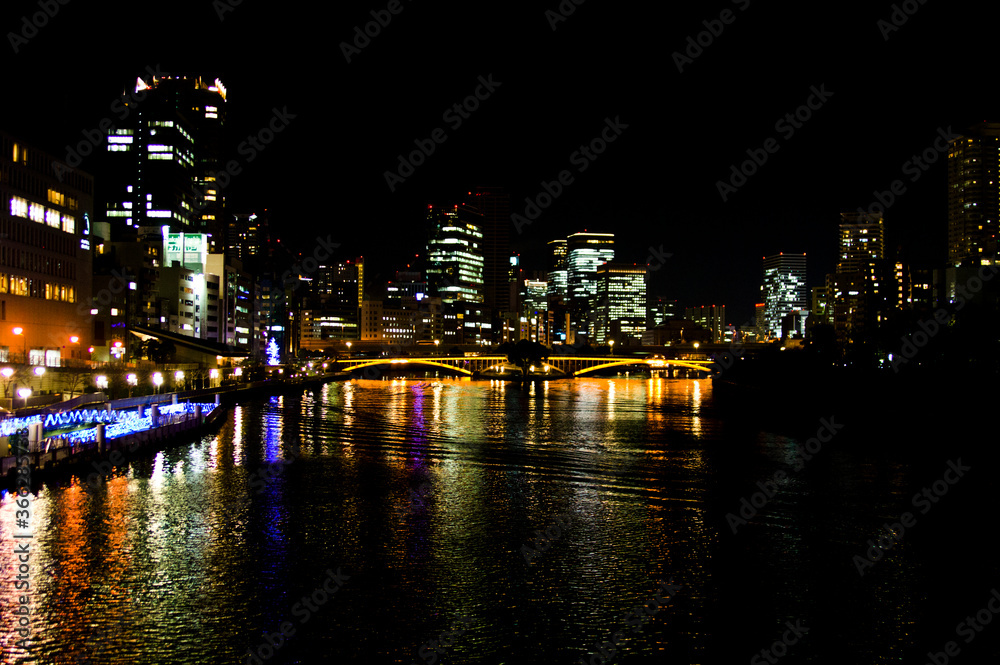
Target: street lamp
x,y
437,342
101,381
7,373
157,381
348,350
24,393
18,330
611,343
132,381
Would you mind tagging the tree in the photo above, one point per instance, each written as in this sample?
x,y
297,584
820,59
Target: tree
x,y
525,353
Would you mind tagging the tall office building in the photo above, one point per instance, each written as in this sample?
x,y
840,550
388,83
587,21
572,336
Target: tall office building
x,y
493,204
45,258
620,305
860,291
974,195
246,237
558,272
784,289
163,157
455,254
584,253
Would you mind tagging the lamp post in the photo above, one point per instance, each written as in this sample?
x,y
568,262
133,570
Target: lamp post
x,y
611,343
437,347
348,350
24,393
157,381
132,381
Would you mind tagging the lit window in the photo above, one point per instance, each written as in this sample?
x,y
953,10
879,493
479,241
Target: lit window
x,y
18,207
36,213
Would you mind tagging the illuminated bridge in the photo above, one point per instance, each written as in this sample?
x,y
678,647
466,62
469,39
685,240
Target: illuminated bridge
x,y
556,366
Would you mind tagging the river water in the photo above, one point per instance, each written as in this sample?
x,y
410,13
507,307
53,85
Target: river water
x,y
377,521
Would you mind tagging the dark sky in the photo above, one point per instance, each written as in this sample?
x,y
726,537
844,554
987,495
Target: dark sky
x,y
655,185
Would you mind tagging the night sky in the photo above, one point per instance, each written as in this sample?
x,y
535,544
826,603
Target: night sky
x,y
655,185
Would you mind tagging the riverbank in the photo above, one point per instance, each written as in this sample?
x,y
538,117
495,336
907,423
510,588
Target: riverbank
x,y
185,416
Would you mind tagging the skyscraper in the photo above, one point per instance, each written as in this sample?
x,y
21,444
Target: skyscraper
x,y
974,195
784,289
163,158
493,204
584,252
558,272
455,254
859,288
620,304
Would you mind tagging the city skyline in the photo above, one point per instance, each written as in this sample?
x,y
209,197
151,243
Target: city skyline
x,y
827,166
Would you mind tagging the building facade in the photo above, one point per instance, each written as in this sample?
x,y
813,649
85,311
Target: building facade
x,y
45,258
784,289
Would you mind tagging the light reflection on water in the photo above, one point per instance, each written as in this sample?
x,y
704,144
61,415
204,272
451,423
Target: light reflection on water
x,y
193,554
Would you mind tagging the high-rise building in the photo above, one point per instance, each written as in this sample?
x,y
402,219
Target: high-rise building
x,y
974,195
620,304
332,311
784,289
45,258
558,271
455,254
247,238
584,253
710,317
163,159
162,162
493,205
860,289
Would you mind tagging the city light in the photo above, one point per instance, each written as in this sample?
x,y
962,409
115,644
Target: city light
x,y
39,371
101,381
